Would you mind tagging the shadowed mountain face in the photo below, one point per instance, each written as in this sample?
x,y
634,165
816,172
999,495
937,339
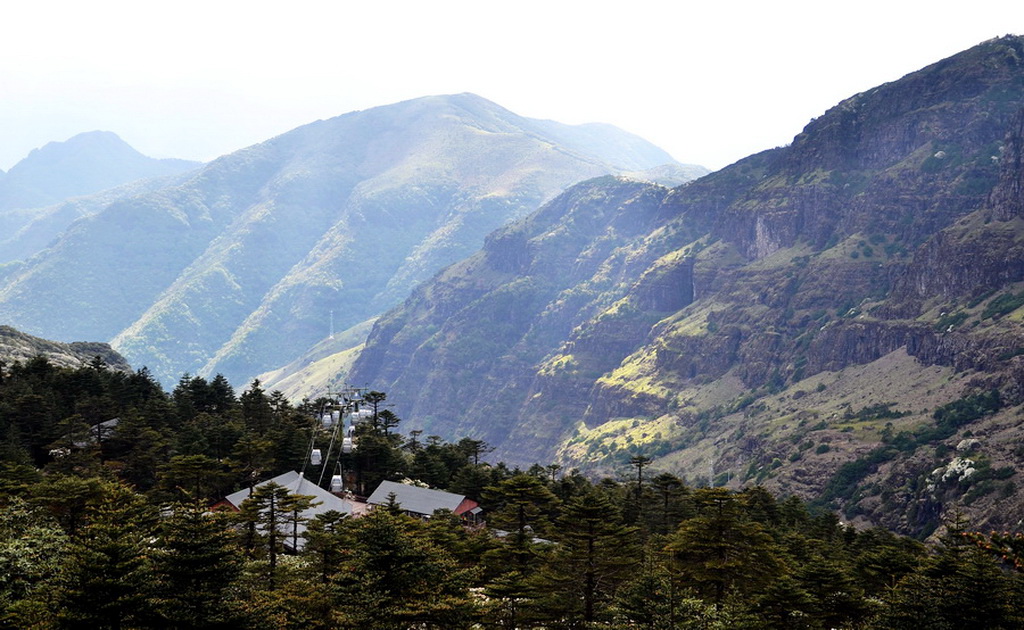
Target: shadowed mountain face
x,y
805,318
238,268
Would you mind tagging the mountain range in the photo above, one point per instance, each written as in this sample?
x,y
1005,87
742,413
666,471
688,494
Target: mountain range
x,y
242,265
63,181
838,318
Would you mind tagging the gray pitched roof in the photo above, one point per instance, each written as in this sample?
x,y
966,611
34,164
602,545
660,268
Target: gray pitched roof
x,y
414,498
297,484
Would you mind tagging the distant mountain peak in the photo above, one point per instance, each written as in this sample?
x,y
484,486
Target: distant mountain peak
x,y
85,145
83,164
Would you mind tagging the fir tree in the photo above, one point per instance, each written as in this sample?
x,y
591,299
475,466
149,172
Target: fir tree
x,y
111,560
195,566
719,551
596,552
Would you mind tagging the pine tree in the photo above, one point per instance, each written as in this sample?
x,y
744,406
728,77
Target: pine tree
x,y
510,602
720,552
784,605
67,499
195,566
396,579
294,507
525,503
670,506
257,412
835,600
961,588
34,572
648,600
194,477
264,514
327,542
596,553
111,560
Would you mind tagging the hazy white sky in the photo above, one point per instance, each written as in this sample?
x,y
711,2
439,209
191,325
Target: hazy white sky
x,y
710,82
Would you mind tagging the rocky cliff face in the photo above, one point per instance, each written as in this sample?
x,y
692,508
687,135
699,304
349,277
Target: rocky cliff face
x,y
749,323
16,346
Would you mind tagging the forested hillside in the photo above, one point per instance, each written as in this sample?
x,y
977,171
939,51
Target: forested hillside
x,y
109,529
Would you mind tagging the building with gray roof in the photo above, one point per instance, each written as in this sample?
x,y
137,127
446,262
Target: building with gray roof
x,y
323,501
423,502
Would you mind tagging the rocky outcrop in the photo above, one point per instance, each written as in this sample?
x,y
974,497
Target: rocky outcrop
x,y
1007,198
16,346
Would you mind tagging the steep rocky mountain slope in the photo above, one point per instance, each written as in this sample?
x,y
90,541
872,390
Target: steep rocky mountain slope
x,y
326,365
238,269
17,346
828,318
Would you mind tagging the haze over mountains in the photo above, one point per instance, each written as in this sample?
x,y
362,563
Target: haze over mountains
x,y
828,318
56,184
238,267
86,163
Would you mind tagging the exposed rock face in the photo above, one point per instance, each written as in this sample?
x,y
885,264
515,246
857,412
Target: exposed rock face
x,y
17,346
1007,199
973,257
711,322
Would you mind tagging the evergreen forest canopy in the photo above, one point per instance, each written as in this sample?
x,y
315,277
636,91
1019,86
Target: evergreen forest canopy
x,y
107,527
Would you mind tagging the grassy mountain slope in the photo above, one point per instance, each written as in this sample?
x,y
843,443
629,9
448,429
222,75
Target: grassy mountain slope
x,y
55,185
320,369
807,318
237,269
28,231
